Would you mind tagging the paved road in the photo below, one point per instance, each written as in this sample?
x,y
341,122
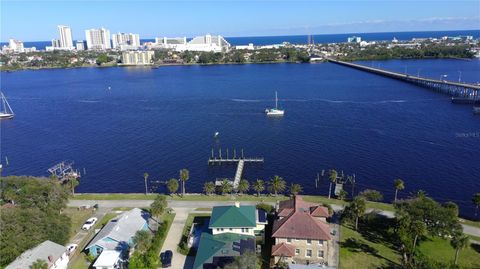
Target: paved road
x,y
191,205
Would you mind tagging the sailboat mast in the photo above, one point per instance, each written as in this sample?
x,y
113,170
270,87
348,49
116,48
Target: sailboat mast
x,y
276,100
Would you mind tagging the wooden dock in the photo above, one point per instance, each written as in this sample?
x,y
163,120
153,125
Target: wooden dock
x,y
240,161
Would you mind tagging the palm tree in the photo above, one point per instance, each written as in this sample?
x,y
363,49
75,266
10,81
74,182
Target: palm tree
x,y
277,184
172,185
258,186
39,264
333,178
158,206
419,228
476,202
243,186
142,240
184,176
225,187
295,189
145,177
399,185
356,209
209,187
458,242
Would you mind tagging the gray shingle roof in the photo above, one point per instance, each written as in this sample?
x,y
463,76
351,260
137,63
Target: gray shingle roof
x,y
121,229
40,252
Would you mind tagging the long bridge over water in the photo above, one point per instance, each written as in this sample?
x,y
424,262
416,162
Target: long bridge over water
x,y
466,91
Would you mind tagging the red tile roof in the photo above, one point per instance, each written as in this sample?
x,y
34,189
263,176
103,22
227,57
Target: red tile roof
x,y
283,249
319,211
297,203
301,225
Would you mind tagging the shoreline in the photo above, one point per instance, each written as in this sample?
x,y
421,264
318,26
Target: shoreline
x,y
156,66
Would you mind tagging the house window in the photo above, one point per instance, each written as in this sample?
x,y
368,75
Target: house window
x,y
218,229
320,242
309,241
297,251
231,229
289,240
308,254
221,229
320,253
246,230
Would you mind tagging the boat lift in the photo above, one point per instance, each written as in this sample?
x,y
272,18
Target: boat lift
x,y
64,171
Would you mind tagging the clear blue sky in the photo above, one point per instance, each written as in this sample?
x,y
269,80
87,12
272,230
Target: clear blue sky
x,y
37,20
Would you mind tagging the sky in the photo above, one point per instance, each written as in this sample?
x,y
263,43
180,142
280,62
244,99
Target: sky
x,y
38,20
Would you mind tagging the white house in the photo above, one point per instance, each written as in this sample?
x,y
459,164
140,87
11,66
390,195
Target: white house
x,y
53,254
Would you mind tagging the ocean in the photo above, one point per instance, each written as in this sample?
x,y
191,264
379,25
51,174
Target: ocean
x,y
303,39
162,120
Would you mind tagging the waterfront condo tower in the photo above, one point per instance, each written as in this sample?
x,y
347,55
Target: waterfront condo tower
x,y
66,41
98,39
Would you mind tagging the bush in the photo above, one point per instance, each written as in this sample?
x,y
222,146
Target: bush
x,y
372,195
266,207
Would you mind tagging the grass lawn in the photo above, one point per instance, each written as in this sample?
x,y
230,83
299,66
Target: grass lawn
x,y
79,262
78,218
203,209
440,250
365,250
169,219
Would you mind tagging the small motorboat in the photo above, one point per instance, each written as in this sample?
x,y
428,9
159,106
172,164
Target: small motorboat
x,y
216,134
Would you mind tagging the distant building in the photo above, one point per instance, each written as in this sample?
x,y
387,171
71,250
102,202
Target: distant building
x,y
98,39
354,39
170,42
205,43
65,41
53,254
118,233
15,45
124,41
137,57
80,45
245,47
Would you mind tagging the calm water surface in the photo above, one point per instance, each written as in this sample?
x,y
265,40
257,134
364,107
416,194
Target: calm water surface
x,y
161,120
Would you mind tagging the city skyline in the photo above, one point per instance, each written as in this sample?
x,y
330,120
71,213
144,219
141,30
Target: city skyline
x,y
234,18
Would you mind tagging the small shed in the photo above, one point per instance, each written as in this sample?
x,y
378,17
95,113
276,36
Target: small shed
x,y
108,259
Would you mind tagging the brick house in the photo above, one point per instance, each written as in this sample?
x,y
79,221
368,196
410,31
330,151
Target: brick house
x,y
301,232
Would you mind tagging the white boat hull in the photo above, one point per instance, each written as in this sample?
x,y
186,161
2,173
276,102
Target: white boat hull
x,y
6,116
274,112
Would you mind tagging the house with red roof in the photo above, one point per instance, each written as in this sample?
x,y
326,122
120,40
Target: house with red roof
x,y
301,232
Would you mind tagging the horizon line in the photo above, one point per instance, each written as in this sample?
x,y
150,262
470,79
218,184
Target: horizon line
x,y
291,35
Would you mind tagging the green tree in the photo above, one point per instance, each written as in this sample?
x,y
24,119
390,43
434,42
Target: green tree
x,y
39,264
295,189
136,261
277,184
73,184
248,260
142,240
172,185
209,188
333,178
258,186
458,242
157,208
372,195
225,187
399,185
102,58
145,177
243,186
356,209
184,176
476,202
342,195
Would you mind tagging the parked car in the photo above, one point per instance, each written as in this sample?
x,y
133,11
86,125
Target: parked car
x,y
89,224
71,248
166,258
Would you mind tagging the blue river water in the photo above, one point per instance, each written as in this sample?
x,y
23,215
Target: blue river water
x,y
162,120
323,38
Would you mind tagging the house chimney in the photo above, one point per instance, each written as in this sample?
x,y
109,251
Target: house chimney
x,y
237,204
50,258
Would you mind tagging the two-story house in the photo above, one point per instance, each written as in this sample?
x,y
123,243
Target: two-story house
x,y
232,231
301,233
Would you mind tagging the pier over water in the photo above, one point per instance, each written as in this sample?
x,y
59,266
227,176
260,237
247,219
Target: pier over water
x,y
454,89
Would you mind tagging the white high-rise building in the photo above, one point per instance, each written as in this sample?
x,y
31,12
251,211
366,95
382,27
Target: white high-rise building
x,y
98,39
16,45
137,57
80,45
205,43
66,41
125,41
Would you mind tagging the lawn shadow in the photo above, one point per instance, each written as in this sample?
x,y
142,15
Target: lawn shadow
x,y
475,247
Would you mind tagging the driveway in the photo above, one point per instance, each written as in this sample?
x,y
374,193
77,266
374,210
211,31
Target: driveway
x,y
174,236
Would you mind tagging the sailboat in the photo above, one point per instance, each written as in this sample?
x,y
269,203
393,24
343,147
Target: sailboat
x,y
275,111
6,111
